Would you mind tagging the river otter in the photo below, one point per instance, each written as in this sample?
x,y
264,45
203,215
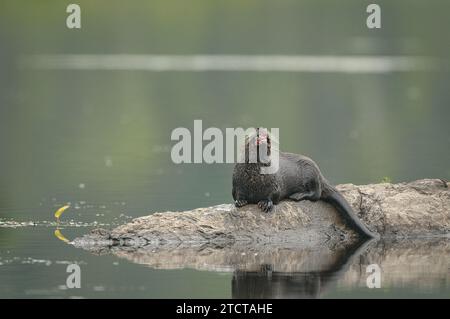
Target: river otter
x,y
298,178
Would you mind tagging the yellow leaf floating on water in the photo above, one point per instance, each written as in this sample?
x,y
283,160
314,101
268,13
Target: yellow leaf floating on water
x,y
61,236
58,234
60,211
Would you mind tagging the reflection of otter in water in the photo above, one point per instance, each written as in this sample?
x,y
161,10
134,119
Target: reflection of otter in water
x,y
269,284
298,178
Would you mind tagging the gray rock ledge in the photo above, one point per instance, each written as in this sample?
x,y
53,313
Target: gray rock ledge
x,y
419,209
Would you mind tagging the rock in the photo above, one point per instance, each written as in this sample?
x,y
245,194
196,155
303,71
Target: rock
x,y
405,210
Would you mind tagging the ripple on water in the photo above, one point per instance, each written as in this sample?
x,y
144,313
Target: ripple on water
x,y
10,223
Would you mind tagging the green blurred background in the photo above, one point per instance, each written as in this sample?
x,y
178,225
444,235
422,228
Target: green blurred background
x,y
100,139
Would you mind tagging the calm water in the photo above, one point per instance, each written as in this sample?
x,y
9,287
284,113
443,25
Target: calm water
x,y
100,139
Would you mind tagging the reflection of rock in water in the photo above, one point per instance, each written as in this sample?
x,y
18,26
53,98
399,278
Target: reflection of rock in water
x,y
290,259
266,271
269,284
420,264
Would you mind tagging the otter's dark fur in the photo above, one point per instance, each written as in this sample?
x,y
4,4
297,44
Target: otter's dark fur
x,y
298,178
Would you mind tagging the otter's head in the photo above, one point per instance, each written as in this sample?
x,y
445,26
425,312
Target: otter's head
x,y
258,147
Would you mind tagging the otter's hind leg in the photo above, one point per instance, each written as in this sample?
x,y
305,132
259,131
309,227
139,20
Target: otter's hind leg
x,y
313,192
312,196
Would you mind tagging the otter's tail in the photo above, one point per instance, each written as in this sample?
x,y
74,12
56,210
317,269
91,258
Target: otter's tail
x,y
338,201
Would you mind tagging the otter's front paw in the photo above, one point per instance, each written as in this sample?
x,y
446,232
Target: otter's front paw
x,y
240,202
266,205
